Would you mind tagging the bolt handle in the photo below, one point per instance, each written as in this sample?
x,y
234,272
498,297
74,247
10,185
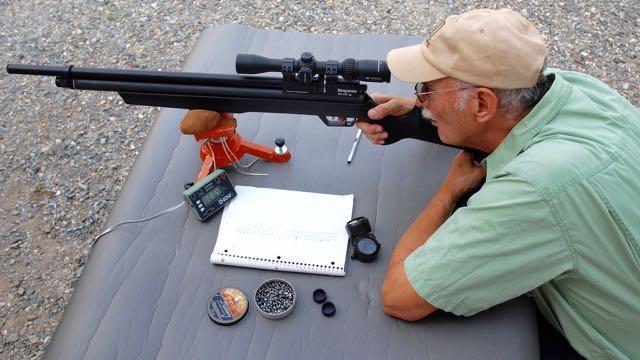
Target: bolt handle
x,y
280,142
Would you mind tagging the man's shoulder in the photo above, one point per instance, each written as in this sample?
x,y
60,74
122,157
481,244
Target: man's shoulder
x,y
574,77
593,94
584,134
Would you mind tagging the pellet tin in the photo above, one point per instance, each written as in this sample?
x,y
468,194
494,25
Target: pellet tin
x,y
275,298
227,306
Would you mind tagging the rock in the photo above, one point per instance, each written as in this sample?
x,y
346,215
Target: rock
x,y
11,339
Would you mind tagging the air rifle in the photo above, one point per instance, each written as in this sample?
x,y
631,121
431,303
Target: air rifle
x,y
323,88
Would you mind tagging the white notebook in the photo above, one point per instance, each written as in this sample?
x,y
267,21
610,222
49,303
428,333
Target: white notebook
x,y
284,230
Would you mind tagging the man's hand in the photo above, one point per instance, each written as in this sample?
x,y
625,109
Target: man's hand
x,y
387,105
465,175
197,121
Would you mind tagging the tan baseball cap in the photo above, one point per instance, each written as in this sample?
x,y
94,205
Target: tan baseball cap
x,y
498,49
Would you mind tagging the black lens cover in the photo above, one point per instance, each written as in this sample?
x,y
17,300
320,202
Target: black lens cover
x,y
358,227
319,296
366,248
328,309
367,245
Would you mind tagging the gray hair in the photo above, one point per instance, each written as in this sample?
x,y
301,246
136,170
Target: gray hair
x,y
513,102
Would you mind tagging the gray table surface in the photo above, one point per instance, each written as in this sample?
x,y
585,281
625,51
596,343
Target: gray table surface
x,y
144,290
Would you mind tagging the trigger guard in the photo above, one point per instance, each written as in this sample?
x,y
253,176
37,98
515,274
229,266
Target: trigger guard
x,y
335,121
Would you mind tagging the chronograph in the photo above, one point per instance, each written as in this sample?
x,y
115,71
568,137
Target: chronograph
x,y
210,194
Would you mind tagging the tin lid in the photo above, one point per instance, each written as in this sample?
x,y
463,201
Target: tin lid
x,y
227,306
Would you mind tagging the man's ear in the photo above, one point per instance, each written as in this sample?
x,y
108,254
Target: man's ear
x,y
487,104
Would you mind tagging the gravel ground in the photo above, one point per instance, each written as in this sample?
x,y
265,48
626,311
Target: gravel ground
x,y
64,155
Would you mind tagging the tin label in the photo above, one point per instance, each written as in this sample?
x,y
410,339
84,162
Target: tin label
x,y
227,306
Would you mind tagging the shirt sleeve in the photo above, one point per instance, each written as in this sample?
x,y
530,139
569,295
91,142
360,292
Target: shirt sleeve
x,y
507,241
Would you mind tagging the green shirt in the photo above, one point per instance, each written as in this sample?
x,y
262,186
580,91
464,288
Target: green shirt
x,y
558,217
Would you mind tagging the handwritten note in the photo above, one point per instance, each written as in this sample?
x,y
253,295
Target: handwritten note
x,y
284,230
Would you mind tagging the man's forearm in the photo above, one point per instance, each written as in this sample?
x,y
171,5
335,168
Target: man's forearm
x,y
434,215
399,298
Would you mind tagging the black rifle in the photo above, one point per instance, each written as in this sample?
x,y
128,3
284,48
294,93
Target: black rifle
x,y
324,88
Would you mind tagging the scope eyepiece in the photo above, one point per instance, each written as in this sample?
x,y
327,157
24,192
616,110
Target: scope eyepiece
x,y
307,66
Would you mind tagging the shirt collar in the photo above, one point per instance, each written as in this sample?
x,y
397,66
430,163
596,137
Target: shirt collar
x,y
521,134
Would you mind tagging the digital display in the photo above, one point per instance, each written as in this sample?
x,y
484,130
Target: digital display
x,y
211,196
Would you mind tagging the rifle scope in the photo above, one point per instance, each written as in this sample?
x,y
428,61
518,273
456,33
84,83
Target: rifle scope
x,y
305,68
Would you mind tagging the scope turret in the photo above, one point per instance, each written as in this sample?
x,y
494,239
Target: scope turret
x,y
307,66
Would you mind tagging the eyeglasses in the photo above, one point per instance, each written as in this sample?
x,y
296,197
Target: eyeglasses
x,y
422,91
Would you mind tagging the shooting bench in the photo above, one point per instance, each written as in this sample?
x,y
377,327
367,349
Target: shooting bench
x,y
144,290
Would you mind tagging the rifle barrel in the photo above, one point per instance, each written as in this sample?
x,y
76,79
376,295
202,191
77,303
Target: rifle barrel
x,y
147,76
28,69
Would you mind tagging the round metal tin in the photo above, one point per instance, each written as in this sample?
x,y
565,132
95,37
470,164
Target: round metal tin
x,y
278,298
227,306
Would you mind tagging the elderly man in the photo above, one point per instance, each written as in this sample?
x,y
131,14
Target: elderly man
x,y
558,214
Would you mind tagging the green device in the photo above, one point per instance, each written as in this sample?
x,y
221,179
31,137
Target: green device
x,y
210,194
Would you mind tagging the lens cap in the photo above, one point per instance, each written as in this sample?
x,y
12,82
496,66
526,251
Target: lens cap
x,y
319,296
328,309
358,227
366,248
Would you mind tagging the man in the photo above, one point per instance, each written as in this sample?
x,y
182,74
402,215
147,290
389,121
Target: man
x,y
558,214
